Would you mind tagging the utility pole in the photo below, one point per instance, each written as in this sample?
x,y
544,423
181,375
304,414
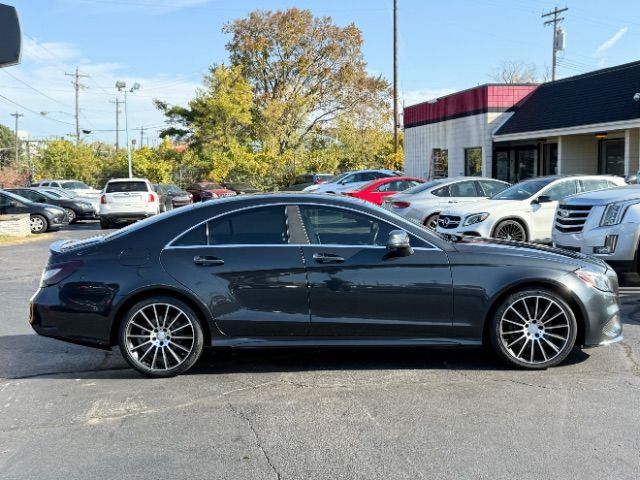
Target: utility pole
x,y
554,21
117,103
17,115
395,76
141,137
77,85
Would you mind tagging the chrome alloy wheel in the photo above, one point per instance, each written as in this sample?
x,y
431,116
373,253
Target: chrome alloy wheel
x,y
510,230
159,337
535,329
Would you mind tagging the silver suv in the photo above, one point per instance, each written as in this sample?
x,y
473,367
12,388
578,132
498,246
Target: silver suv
x,y
604,223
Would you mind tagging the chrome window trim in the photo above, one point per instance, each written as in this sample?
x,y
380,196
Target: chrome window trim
x,y
169,245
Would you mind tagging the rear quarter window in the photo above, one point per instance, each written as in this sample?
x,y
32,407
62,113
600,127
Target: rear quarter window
x,y
133,186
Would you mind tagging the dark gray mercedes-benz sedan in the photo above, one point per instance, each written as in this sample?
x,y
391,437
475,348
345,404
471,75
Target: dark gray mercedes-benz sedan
x,y
298,270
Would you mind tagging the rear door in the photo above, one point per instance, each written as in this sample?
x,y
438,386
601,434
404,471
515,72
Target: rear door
x,y
359,290
243,266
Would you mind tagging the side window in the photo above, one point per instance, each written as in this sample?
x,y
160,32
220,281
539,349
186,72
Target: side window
x,y
561,190
492,188
56,184
395,186
463,189
336,226
591,184
33,196
44,184
442,192
256,226
376,175
4,201
351,178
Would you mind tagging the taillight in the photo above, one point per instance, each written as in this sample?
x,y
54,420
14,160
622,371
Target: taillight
x,y
399,204
103,199
152,198
57,272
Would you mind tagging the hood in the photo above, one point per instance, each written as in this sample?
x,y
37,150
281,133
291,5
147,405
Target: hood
x,y
218,191
491,206
603,197
478,245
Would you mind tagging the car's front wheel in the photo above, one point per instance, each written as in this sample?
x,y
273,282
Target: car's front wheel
x,y
38,224
161,337
71,215
510,230
533,329
431,222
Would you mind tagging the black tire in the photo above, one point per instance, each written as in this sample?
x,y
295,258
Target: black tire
x,y
510,230
71,215
431,222
167,354
527,328
38,223
105,224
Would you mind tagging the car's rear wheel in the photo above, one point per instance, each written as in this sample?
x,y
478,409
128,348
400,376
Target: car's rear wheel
x,y
71,215
431,222
510,230
104,223
533,329
38,224
161,337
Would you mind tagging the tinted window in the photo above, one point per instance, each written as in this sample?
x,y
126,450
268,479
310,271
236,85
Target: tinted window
x,y
523,190
30,194
395,186
463,189
441,192
133,186
561,190
492,188
335,226
197,236
423,186
591,184
258,226
75,185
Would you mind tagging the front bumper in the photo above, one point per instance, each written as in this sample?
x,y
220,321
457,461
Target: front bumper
x,y
480,229
624,237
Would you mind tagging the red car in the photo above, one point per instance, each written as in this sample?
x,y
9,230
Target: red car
x,y
207,190
376,190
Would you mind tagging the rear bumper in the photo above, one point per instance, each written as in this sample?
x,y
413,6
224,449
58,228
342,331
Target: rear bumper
x,y
181,203
125,216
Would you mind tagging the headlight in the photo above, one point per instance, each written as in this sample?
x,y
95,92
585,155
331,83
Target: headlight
x,y
475,218
614,213
85,205
595,280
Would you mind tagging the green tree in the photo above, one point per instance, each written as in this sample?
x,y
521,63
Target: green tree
x,y
63,159
7,145
304,71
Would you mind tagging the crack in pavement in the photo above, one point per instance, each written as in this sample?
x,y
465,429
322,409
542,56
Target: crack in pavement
x,y
66,372
628,353
256,439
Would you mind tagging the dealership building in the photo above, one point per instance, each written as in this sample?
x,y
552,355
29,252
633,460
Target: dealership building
x,y
585,124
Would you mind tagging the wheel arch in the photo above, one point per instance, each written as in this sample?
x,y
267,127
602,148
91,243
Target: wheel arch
x,y
153,291
576,306
523,223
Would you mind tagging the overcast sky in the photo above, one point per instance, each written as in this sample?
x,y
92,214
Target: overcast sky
x,y
167,45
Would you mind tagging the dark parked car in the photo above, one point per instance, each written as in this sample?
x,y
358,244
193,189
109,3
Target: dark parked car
x,y
43,216
296,270
240,187
172,196
75,209
303,181
208,190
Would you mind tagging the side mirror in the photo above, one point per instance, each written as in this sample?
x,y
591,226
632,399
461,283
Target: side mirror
x,y
543,199
399,241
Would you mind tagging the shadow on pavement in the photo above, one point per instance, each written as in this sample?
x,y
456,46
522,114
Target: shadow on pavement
x,y
27,356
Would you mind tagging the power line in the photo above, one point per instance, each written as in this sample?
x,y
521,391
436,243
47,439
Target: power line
x,y
35,89
33,111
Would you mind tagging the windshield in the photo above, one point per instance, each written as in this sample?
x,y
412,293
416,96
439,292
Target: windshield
x,y
173,189
132,186
423,186
13,196
75,185
338,177
523,190
211,186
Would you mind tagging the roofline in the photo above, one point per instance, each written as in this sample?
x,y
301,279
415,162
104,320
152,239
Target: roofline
x,y
576,130
433,100
600,71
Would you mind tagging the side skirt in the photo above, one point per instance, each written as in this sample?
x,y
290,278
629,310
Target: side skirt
x,y
312,342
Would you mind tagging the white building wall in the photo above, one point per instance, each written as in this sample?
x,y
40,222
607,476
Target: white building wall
x,y
578,154
454,135
631,151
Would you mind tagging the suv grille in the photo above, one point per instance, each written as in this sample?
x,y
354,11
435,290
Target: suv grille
x,y
571,218
448,221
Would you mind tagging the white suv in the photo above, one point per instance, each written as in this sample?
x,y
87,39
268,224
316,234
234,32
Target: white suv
x,y
605,224
126,199
523,212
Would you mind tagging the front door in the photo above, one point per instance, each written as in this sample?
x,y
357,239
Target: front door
x,y
359,290
543,214
244,268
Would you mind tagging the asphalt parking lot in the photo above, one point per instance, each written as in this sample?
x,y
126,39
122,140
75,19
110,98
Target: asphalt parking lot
x,y
76,413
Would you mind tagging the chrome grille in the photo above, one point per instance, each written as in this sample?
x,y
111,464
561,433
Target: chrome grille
x,y
571,218
448,221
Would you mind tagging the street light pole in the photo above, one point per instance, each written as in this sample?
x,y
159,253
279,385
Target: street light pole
x,y
122,87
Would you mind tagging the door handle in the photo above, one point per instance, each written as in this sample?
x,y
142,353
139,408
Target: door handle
x,y
207,260
327,258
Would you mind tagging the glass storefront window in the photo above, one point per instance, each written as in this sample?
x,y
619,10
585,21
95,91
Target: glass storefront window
x,y
527,164
612,157
473,161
